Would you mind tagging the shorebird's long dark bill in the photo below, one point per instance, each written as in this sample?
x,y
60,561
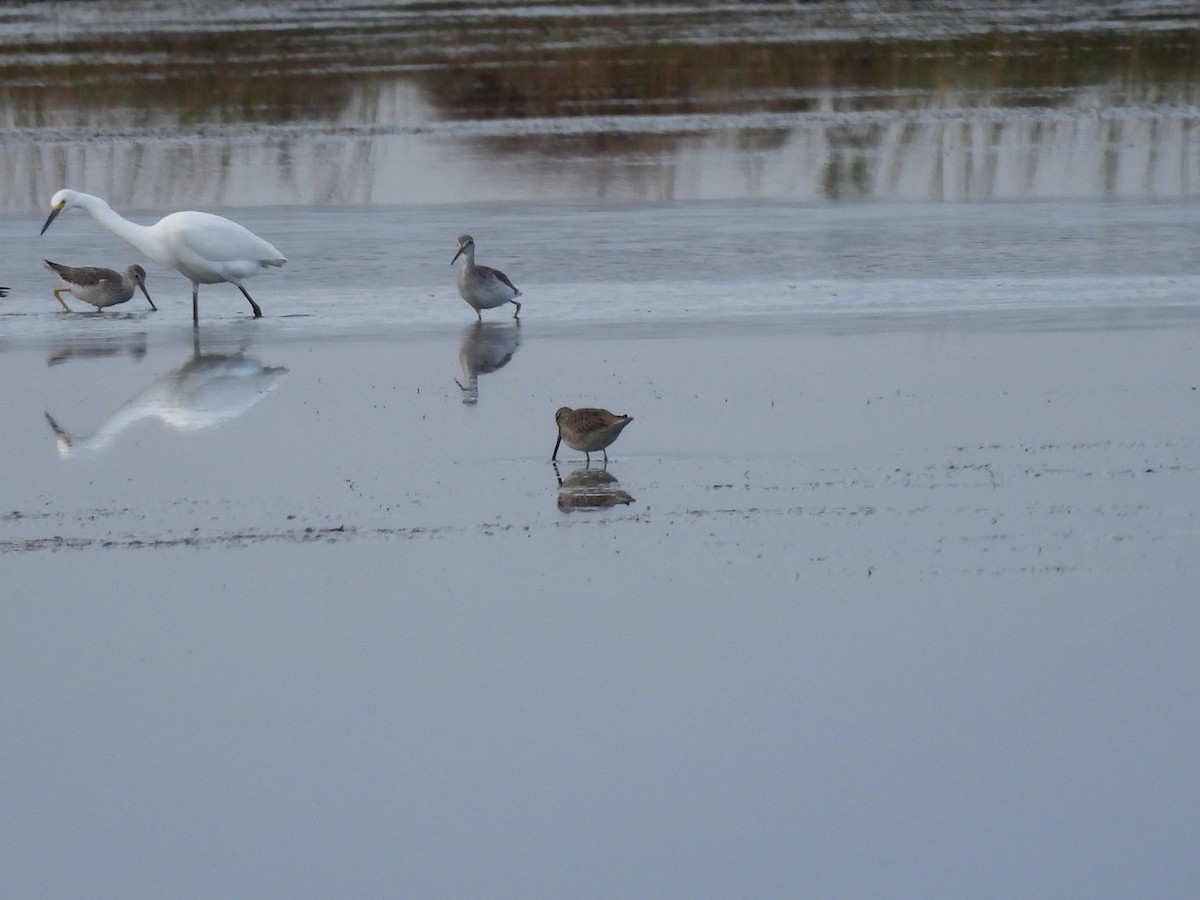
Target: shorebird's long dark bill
x,y
147,293
554,455
452,262
54,212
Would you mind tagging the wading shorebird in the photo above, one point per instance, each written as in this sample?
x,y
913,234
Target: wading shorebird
x,y
482,286
99,287
203,248
588,430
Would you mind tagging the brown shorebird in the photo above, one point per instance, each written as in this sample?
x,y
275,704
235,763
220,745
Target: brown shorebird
x,y
99,287
588,429
481,286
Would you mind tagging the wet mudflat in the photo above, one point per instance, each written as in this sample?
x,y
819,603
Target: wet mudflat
x,y
887,589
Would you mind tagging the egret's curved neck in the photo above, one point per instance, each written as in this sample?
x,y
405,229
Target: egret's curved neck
x,y
137,235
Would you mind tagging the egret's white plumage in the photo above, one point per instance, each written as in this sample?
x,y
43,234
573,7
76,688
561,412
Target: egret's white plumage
x,y
204,248
482,286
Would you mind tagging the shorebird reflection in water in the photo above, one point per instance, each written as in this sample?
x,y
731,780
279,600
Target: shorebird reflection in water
x,y
88,346
203,248
587,488
100,287
588,430
205,391
482,286
486,347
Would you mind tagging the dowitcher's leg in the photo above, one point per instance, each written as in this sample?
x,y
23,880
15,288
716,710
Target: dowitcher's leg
x,y
58,292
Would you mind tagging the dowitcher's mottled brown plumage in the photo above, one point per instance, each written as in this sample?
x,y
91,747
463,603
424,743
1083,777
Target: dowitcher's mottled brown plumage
x,y
588,429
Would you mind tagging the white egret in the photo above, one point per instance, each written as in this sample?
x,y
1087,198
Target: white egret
x,y
204,248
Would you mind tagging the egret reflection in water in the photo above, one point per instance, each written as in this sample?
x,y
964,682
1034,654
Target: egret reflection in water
x,y
207,390
587,488
486,347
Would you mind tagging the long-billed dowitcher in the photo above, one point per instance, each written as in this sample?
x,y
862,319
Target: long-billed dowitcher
x,y
588,430
203,248
99,287
482,286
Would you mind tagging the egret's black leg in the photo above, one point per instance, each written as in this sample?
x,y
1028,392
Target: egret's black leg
x,y
253,305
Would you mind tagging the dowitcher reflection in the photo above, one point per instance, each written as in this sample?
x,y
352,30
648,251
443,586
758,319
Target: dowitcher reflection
x,y
204,248
588,488
98,286
486,347
482,286
588,430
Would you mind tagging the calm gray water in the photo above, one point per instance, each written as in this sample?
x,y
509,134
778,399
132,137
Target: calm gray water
x,y
893,613
894,593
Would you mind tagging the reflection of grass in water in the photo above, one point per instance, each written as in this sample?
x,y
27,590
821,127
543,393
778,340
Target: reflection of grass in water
x,y
673,78
563,66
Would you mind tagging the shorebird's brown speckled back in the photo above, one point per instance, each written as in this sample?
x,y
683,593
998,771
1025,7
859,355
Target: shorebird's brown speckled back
x,y
588,429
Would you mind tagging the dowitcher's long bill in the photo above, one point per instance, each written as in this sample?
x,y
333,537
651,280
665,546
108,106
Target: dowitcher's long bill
x,y
203,248
482,286
588,429
99,287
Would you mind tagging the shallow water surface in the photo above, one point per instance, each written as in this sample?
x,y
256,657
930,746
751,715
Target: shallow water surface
x,y
381,271
888,589
265,593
